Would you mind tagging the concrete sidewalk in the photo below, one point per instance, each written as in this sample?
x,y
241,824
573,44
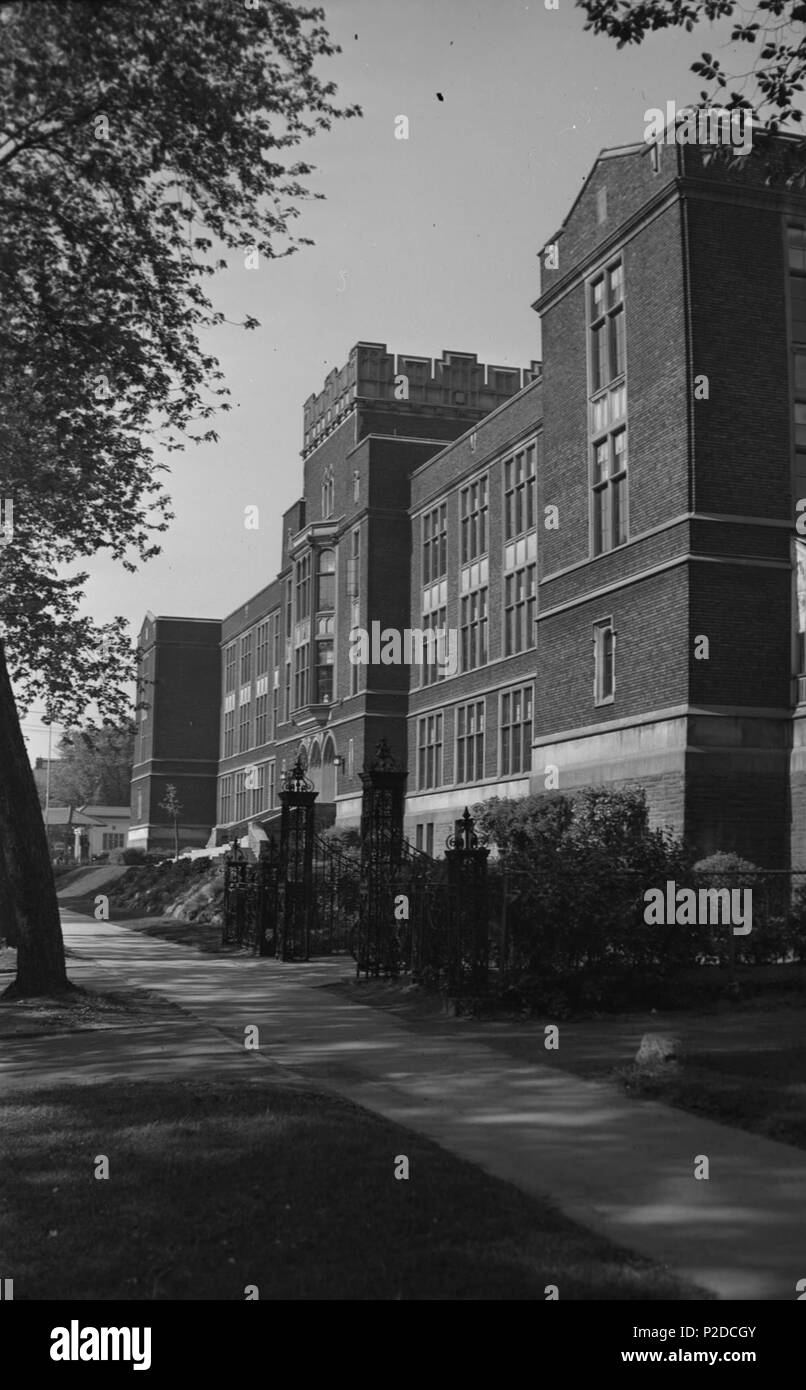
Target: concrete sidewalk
x,y
619,1166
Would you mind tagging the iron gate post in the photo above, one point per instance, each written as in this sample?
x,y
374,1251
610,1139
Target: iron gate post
x,y
383,783
468,928
296,864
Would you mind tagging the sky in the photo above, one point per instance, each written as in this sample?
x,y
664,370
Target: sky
x,y
423,244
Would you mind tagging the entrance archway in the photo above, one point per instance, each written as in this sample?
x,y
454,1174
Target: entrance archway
x,y
328,789
315,768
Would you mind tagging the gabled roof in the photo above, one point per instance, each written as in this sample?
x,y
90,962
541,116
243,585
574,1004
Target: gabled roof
x,y
66,815
616,152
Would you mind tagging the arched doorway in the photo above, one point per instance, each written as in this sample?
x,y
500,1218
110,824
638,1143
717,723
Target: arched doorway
x,y
328,791
315,768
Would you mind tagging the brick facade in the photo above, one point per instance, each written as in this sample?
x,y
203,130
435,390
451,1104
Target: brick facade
x,y
177,730
608,537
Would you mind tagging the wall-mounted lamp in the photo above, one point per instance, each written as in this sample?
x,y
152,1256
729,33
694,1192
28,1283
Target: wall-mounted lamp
x,y
338,760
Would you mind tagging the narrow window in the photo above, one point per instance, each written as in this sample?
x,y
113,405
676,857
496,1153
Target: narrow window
x,y
604,650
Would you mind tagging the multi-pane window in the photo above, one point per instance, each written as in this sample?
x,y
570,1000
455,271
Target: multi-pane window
x,y
353,595
433,647
797,285
429,751
470,742
435,619
606,308
262,651
610,491
229,732
604,660
243,727
225,800
229,667
246,659
275,641
257,787
473,629
326,582
796,238
270,785
262,719
516,731
473,520
520,597
324,671
303,582
435,544
112,840
275,707
301,660
608,409
424,837
241,795
519,492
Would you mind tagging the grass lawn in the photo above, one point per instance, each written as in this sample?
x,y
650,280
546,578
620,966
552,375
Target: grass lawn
x,y
764,1092
203,935
77,1011
217,1186
744,1063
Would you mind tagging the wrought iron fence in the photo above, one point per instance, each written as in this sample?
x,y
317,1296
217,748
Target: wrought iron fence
x,y
336,900
251,901
524,910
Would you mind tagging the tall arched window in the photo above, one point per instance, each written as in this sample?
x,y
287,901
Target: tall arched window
x,y
328,788
326,603
326,569
315,767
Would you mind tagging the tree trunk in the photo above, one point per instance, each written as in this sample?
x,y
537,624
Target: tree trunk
x,y
29,890
8,910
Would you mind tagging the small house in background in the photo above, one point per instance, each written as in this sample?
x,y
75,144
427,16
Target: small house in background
x,y
65,825
109,829
83,833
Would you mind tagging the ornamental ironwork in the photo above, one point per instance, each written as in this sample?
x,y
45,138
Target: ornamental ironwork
x,y
465,836
295,779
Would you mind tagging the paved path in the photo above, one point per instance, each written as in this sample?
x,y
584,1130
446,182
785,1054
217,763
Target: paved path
x,y
619,1166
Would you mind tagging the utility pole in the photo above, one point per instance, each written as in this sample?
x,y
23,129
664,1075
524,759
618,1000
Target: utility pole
x,y
47,773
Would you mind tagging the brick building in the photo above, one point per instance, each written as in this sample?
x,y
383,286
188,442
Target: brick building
x,y
610,539
179,685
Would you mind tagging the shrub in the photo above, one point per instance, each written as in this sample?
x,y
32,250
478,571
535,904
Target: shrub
x,y
776,932
796,924
346,842
575,870
133,856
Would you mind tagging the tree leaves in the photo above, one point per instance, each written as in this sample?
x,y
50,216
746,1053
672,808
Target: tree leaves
x,y
137,142
779,65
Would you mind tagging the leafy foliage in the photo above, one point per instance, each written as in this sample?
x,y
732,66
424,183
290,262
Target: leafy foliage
x,y
140,144
94,766
577,869
771,28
